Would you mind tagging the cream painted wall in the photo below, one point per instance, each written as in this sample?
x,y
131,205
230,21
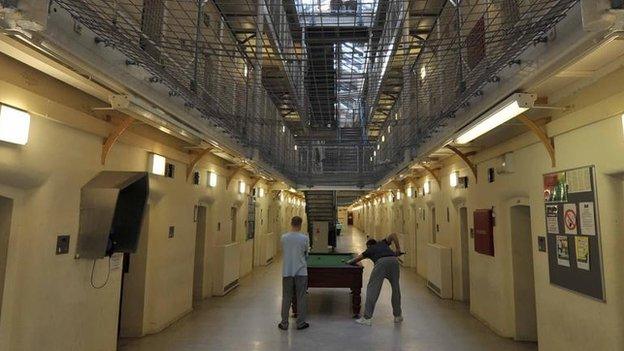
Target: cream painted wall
x,y
590,134
48,302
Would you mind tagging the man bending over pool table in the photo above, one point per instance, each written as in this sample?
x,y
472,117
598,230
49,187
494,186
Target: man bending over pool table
x,y
386,267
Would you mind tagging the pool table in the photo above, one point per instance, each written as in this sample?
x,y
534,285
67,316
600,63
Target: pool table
x,y
330,270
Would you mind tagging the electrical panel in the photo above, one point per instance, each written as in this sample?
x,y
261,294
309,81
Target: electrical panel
x,y
484,231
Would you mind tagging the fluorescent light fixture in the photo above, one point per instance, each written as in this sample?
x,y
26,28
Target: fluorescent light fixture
x,y
281,196
378,146
383,138
509,108
157,164
212,179
409,191
371,158
388,129
295,147
427,187
14,125
246,70
396,116
423,72
242,187
453,178
283,129
375,153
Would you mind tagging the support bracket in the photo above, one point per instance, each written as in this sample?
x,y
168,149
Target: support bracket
x,y
433,174
465,158
543,137
255,182
113,136
195,160
235,171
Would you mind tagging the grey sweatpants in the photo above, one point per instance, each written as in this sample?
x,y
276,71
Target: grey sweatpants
x,y
294,287
385,268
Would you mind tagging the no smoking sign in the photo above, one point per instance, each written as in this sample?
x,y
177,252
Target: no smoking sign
x,y
569,218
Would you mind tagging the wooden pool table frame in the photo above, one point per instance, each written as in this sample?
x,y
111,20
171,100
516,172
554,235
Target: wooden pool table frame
x,y
343,276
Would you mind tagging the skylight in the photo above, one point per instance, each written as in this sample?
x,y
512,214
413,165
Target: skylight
x,y
336,12
351,70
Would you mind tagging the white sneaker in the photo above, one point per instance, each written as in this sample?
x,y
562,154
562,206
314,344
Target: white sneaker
x,y
364,321
398,319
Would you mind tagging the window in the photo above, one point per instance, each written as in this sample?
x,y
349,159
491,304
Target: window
x,y
152,18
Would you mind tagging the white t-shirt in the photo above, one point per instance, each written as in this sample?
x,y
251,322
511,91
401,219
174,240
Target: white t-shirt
x,y
295,251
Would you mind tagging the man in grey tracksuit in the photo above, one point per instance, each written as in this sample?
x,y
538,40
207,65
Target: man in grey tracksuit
x,y
386,267
295,245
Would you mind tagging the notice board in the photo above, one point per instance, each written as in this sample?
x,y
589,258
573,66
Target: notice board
x,y
573,231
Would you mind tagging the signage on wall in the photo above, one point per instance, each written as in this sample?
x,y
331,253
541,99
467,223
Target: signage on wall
x,y
573,231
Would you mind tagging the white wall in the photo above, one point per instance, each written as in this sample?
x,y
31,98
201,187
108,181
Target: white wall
x,y
48,301
590,134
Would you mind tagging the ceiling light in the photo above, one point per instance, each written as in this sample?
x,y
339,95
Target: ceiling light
x,y
157,164
261,192
283,129
453,179
371,158
503,112
398,195
383,138
212,179
295,147
388,129
242,187
409,191
246,70
375,153
378,146
14,125
423,72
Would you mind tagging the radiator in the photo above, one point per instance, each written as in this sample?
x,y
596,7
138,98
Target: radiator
x,y
439,270
267,249
227,268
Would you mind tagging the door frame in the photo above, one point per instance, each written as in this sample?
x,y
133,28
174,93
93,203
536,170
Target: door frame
x,y
510,204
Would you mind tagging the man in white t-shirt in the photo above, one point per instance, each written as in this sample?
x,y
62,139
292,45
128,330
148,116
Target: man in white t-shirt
x,y
295,245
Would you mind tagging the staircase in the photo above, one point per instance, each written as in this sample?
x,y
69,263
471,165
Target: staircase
x,y
321,206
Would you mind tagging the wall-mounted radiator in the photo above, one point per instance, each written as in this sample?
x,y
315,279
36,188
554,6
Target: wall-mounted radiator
x,y
228,268
439,270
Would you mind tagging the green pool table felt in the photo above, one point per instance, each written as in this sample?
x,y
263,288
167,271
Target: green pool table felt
x,y
316,260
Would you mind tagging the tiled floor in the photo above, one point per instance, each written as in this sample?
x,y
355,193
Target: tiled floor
x,y
246,319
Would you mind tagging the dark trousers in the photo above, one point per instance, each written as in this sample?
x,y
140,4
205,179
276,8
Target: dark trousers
x,y
294,289
385,268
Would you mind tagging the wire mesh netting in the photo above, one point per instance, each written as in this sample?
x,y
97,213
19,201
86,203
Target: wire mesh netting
x,y
330,76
